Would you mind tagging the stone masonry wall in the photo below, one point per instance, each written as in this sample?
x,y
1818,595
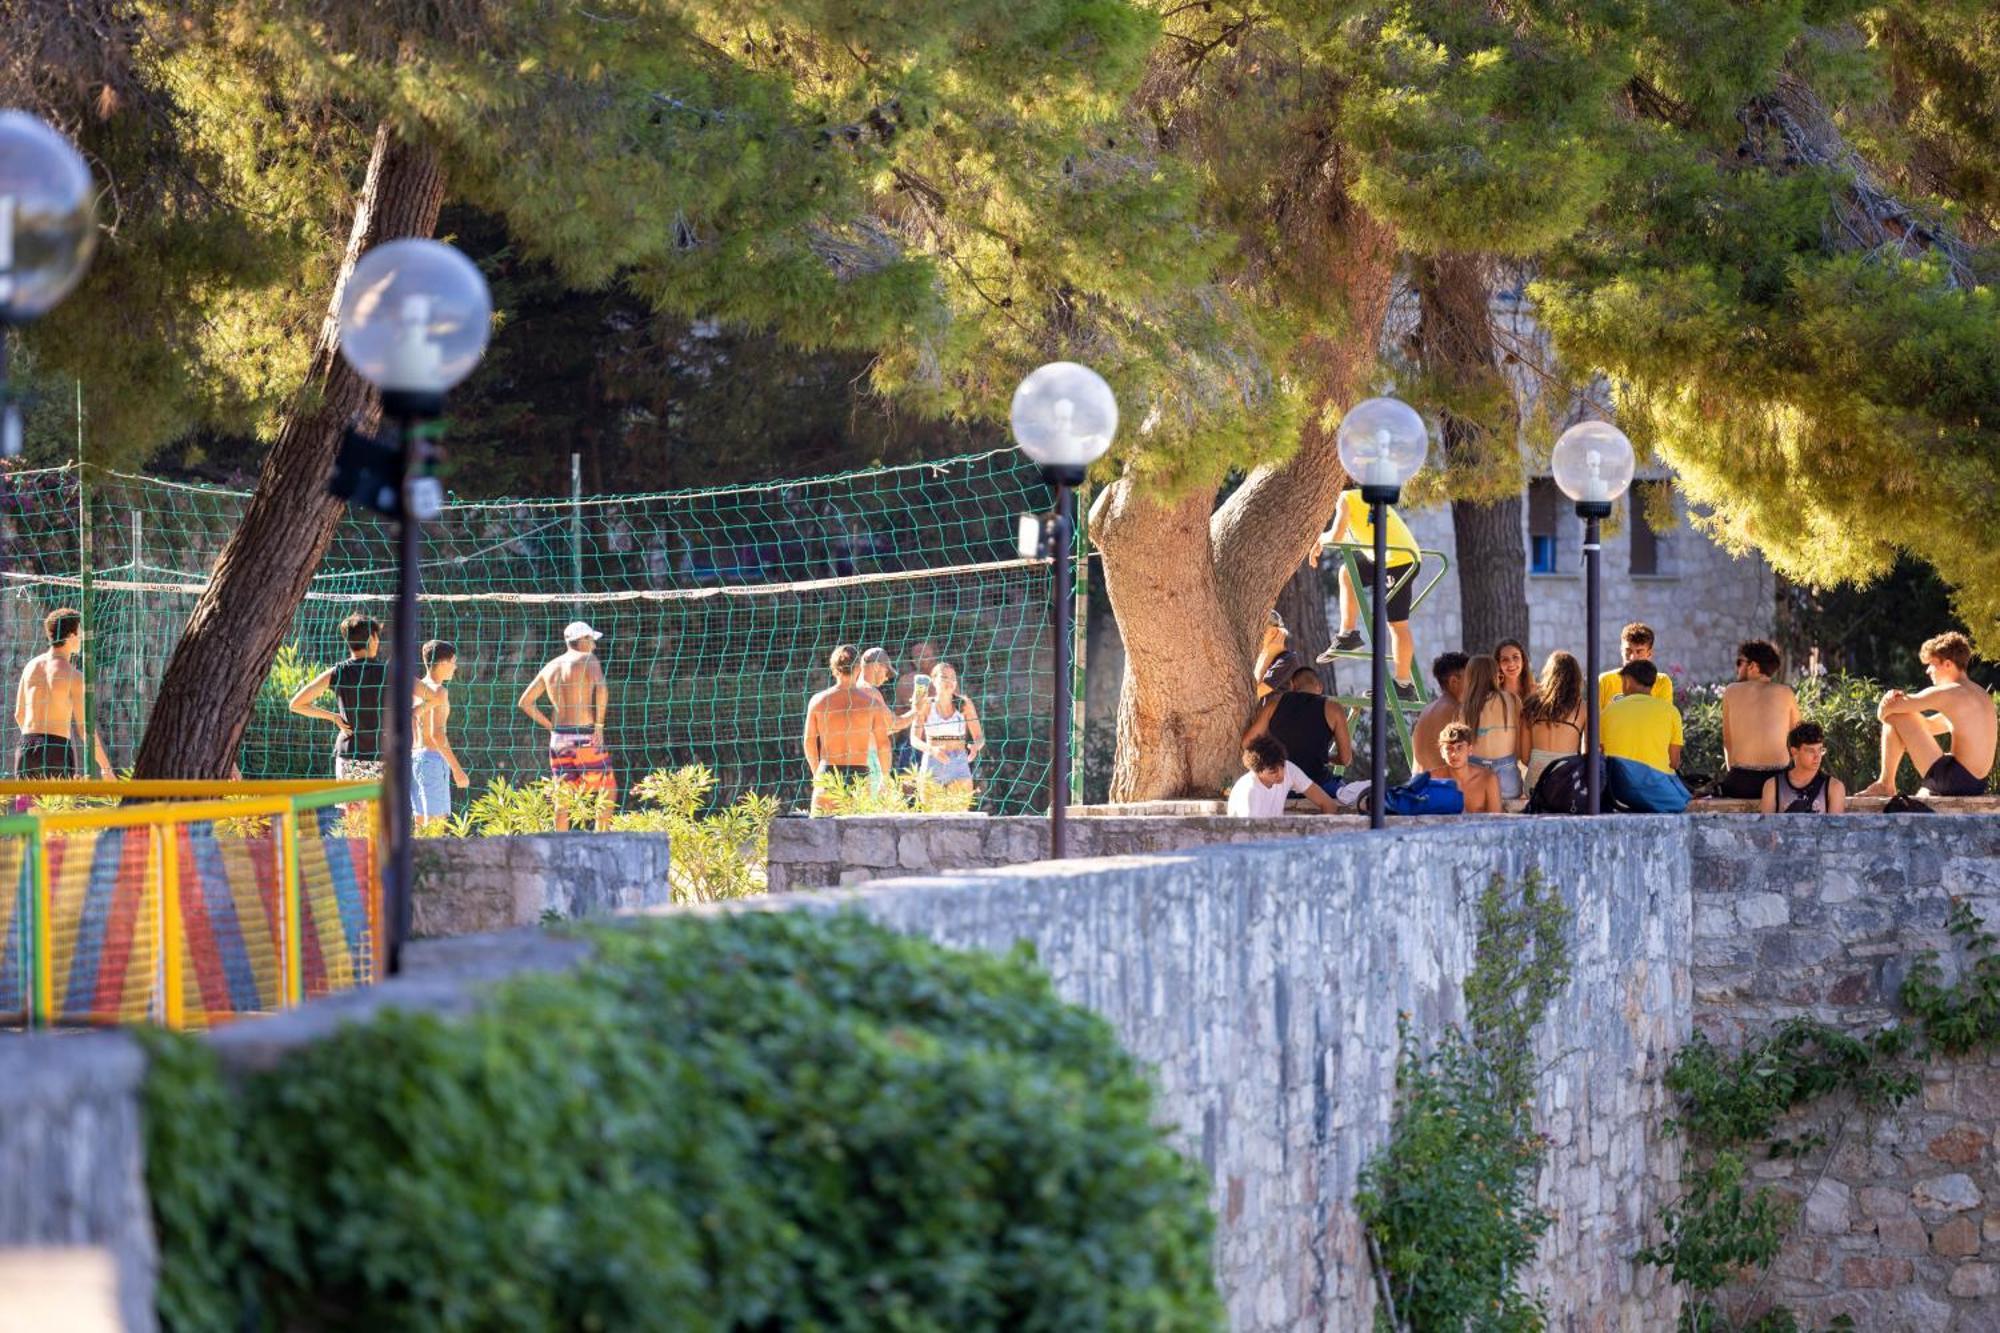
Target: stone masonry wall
x,y
1263,983
70,1153
1901,1221
468,885
840,853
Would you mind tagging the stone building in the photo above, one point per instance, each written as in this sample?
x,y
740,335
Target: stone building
x,y
1698,598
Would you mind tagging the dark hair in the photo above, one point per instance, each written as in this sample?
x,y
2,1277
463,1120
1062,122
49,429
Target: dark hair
x,y
1559,694
1455,732
1292,681
1762,655
62,622
1447,664
1264,753
1805,733
1950,646
1638,634
438,650
358,629
1641,673
1527,674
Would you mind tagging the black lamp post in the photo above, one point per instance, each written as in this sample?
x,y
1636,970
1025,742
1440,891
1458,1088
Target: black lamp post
x,y
1593,466
1382,444
48,231
414,321
1064,416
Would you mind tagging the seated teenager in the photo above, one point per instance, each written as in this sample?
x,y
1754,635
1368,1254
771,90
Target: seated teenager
x,y
1309,725
1953,706
1639,725
1635,641
1494,714
1268,779
1804,787
1448,670
1480,788
1758,715
1552,718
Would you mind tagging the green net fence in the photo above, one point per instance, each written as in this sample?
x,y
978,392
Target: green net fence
x,y
719,608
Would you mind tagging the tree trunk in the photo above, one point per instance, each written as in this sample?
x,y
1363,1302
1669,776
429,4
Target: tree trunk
x,y
1492,573
1191,583
1302,602
1455,337
265,570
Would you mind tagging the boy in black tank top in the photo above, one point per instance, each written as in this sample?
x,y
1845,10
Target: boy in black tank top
x,y
361,685
1804,787
1309,725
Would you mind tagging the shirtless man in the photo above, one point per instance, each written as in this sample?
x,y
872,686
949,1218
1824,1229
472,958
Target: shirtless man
x,y
845,725
1953,706
1448,670
575,685
431,758
1758,713
48,706
1480,786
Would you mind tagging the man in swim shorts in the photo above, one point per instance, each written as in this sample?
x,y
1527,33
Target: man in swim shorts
x,y
846,724
1953,706
1758,714
574,683
48,705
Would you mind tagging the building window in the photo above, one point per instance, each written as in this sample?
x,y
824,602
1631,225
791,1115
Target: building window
x,y
1650,550
1544,517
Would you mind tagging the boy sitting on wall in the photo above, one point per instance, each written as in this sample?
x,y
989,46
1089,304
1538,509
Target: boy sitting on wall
x,y
1268,779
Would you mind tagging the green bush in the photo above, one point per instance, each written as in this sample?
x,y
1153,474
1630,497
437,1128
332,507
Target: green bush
x,y
717,853
1844,705
766,1122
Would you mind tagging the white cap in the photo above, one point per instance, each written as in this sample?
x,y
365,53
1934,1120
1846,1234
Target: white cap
x,y
577,629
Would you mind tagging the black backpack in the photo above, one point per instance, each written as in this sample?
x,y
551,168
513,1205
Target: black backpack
x,y
1563,789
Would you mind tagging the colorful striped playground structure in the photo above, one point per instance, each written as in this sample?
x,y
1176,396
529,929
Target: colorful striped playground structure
x,y
184,903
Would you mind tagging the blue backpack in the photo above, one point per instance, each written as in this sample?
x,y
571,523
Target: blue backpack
x,y
1425,795
1631,785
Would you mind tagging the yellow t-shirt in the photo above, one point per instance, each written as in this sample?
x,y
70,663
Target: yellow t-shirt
x,y
1640,727
1611,682
1402,543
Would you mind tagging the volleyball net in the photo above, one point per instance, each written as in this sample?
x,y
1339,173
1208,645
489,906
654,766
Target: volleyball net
x,y
718,608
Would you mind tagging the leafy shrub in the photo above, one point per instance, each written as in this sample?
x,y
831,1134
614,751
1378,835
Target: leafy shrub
x,y
766,1122
285,744
906,793
716,854
1844,705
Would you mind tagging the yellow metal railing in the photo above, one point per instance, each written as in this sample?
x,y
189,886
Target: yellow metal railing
x,y
188,904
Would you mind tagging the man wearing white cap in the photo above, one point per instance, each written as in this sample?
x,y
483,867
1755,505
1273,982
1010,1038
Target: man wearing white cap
x,y
574,683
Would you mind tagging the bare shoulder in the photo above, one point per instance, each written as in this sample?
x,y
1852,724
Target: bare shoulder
x,y
819,700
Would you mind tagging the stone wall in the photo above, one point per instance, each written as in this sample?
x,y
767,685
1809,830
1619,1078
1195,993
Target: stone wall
x,y
829,853
1901,1221
1263,984
70,1153
468,885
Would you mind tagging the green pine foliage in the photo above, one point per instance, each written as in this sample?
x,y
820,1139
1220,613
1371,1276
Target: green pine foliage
x,y
1770,224
765,1121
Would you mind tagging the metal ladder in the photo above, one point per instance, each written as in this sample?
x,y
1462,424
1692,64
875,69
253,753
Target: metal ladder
x,y
1401,712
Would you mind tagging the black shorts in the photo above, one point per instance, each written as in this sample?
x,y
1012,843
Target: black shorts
x,y
1947,777
41,755
1745,784
1399,597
